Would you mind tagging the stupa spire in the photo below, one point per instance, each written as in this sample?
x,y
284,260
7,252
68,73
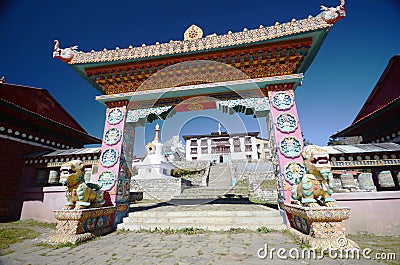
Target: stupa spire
x,y
156,136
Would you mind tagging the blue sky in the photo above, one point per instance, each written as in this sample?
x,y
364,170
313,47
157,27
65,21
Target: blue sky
x,y
334,89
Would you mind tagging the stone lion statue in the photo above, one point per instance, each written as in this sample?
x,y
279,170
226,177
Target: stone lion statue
x,y
79,194
315,187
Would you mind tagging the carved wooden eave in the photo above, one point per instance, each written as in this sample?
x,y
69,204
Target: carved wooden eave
x,y
281,49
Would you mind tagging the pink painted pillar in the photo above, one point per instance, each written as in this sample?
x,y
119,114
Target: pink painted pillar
x,y
288,139
114,175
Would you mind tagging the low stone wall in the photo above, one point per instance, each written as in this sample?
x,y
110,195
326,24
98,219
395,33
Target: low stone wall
x,y
163,189
259,178
251,167
191,165
270,195
372,212
199,179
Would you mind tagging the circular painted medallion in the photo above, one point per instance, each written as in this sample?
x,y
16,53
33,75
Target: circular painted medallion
x,y
290,146
294,171
115,116
109,157
286,123
112,136
106,180
282,101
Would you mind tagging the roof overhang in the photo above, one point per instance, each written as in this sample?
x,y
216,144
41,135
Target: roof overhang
x,y
281,49
375,124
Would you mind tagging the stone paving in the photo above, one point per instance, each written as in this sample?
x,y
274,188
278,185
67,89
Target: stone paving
x,y
123,247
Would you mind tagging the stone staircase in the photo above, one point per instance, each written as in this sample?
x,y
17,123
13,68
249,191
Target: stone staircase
x,y
219,185
211,217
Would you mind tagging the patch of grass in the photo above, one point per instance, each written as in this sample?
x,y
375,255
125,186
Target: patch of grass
x,y
272,204
14,232
31,224
264,229
56,246
268,184
168,231
294,238
378,244
242,183
186,173
237,230
35,223
121,232
191,230
12,235
65,245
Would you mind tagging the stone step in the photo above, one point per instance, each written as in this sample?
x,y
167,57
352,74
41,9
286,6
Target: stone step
x,y
213,217
210,193
206,191
220,176
211,227
254,221
189,214
210,196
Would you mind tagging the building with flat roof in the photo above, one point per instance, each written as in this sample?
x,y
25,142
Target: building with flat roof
x,y
221,147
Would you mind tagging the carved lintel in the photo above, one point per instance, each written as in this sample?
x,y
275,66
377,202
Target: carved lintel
x,y
138,115
280,87
257,106
117,103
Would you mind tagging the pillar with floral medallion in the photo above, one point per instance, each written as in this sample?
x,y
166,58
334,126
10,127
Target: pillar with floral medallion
x,y
288,139
114,174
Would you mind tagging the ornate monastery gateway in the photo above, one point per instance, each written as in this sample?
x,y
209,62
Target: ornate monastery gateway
x,y
253,71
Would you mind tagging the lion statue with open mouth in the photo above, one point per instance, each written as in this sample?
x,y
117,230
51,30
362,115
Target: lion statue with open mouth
x,y
79,194
315,187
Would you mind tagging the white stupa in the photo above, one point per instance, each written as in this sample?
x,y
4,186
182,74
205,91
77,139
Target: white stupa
x,y
154,166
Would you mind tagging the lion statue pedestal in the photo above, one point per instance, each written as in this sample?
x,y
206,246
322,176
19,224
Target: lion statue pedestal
x,y
314,215
320,227
82,217
75,226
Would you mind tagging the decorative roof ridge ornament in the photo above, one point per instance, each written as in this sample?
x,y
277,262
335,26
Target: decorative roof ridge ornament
x,y
332,14
65,54
194,40
193,33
